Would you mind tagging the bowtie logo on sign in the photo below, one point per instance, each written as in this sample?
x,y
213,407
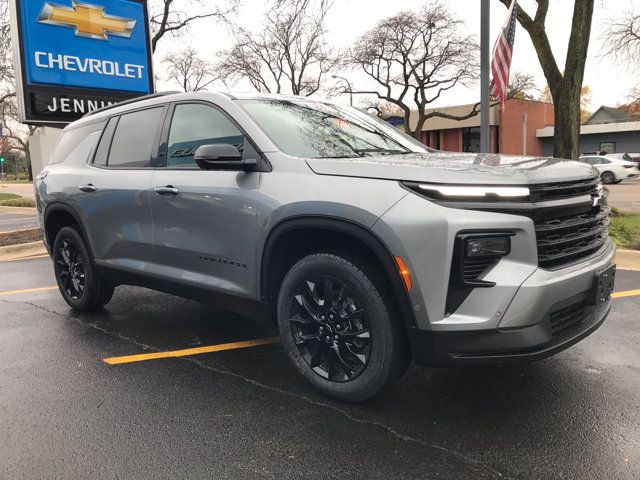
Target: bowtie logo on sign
x,y
88,20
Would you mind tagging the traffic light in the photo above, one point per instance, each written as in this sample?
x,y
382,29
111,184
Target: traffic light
x,y
1,159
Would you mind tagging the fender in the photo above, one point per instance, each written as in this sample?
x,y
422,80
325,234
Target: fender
x,y
59,206
348,227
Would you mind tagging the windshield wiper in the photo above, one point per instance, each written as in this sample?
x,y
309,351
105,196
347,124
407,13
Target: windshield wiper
x,y
382,151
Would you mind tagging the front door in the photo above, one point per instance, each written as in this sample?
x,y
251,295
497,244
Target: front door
x,y
204,221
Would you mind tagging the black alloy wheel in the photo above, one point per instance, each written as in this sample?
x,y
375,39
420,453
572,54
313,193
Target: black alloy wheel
x,y
339,327
330,328
70,269
81,286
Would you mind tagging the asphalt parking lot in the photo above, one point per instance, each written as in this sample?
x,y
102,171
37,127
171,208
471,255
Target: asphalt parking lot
x,y
242,413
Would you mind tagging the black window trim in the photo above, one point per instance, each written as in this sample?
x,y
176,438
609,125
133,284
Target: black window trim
x,y
156,154
263,163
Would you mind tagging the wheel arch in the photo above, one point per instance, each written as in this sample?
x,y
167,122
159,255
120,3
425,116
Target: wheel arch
x,y
58,215
280,252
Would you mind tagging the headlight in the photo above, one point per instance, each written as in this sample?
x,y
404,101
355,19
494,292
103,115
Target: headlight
x,y
475,191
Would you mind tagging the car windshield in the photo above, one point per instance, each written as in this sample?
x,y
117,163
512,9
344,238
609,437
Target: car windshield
x,y
321,130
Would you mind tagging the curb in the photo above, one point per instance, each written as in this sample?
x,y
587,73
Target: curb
x,y
32,210
22,250
628,260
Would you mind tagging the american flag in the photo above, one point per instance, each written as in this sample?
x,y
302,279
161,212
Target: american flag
x,y
501,60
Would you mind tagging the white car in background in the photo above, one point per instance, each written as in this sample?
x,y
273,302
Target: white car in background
x,y
612,168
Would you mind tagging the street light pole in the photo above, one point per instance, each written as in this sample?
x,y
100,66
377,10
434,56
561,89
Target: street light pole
x,y
350,88
484,76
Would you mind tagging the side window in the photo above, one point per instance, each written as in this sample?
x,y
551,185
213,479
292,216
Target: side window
x,y
134,138
195,124
70,140
604,161
102,152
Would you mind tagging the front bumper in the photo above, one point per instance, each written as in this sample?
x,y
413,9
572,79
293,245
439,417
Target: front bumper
x,y
497,346
550,312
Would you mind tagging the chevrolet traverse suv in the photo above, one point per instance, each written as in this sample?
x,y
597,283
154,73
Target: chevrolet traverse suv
x,y
365,247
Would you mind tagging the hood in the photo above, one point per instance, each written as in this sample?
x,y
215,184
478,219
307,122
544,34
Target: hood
x,y
455,168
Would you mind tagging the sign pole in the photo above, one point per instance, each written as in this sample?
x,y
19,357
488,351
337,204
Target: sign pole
x,y
484,76
524,134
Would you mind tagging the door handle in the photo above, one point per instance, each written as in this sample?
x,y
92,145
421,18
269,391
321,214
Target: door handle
x,y
88,188
167,190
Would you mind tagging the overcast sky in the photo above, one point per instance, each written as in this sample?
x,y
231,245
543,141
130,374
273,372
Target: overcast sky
x,y
610,82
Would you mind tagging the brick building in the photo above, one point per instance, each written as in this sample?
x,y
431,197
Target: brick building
x,y
507,128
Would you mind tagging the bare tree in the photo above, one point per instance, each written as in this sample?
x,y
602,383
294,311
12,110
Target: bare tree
x,y
189,71
289,54
523,86
174,17
413,58
622,39
15,135
565,87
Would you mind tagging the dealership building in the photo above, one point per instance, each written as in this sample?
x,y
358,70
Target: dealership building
x,y
526,128
607,130
512,131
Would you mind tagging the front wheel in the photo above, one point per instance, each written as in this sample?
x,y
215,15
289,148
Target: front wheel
x,y
80,284
338,328
608,178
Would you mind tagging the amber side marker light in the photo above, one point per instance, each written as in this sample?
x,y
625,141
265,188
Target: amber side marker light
x,y
404,273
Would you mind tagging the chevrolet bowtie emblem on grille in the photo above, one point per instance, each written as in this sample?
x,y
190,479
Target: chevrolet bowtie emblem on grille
x,y
88,20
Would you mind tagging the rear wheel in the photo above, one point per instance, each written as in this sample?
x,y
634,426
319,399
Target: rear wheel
x,y
338,327
608,178
81,286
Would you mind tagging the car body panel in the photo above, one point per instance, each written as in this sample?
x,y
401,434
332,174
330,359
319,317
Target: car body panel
x,y
206,234
211,235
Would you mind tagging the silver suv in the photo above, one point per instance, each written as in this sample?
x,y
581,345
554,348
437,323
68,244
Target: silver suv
x,y
367,248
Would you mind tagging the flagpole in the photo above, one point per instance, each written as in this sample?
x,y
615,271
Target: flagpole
x,y
484,76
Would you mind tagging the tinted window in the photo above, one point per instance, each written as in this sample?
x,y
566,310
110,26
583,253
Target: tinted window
x,y
193,125
70,139
102,152
134,138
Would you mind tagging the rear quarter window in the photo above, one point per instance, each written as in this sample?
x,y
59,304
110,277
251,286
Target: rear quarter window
x,y
70,140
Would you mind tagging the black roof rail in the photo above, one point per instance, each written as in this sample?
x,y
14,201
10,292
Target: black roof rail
x,y
131,100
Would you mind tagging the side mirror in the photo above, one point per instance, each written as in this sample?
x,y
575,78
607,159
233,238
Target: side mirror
x,y
222,156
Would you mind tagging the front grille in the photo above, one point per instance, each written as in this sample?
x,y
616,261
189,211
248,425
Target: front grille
x,y
568,227
553,191
570,237
568,316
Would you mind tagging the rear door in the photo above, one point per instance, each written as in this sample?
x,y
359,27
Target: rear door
x,y
204,221
115,190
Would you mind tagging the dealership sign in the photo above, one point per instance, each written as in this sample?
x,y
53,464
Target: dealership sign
x,y
75,57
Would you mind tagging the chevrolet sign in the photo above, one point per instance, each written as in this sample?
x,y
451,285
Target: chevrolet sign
x,y
76,56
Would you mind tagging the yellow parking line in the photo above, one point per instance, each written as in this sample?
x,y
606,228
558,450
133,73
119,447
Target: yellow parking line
x,y
28,290
189,351
627,293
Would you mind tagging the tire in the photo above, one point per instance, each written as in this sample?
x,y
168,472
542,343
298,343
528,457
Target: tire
x,y
339,329
608,178
80,284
